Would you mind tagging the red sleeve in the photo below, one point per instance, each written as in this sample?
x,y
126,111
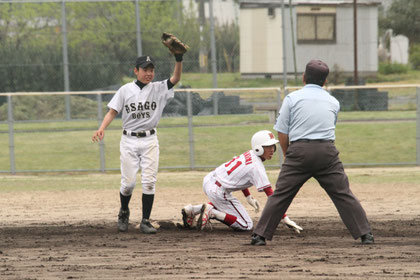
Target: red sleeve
x,y
246,192
268,191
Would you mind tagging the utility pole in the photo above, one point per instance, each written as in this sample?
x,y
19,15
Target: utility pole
x,y
283,28
213,45
356,80
65,59
203,59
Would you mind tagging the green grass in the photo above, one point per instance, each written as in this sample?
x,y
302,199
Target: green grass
x,y
216,139
386,176
411,77
234,80
377,142
111,180
92,125
376,115
58,182
227,80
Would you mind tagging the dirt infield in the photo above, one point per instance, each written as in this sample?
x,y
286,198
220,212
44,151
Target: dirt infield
x,y
72,235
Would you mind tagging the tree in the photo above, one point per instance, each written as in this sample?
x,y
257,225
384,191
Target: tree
x,y
403,17
227,39
29,48
101,40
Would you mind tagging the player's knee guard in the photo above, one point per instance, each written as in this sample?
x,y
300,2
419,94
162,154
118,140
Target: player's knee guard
x,y
148,188
127,190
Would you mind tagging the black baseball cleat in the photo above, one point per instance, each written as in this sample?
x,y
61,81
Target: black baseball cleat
x,y
257,240
185,218
367,239
123,219
146,227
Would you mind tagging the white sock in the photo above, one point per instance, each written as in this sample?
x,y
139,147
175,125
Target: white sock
x,y
218,215
197,208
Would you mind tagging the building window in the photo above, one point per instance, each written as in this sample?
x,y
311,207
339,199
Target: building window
x,y
315,28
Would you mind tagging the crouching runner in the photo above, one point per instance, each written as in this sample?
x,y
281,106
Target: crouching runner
x,y
238,174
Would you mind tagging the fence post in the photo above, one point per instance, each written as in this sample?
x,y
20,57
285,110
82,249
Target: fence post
x,y
215,103
418,127
278,101
138,30
281,157
101,142
11,135
190,130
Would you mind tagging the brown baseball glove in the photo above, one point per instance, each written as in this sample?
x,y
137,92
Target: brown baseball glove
x,y
174,45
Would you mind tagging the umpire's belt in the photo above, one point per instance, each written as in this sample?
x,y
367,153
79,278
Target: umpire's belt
x,y
313,140
144,133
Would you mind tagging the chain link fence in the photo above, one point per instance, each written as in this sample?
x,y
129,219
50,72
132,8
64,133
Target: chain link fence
x,y
78,45
200,129
62,60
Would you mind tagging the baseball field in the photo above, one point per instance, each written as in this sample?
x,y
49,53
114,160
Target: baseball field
x,y
63,226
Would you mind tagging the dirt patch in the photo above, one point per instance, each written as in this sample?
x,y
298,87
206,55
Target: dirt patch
x,y
97,251
73,235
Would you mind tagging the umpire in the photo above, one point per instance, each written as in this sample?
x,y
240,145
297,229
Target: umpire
x,y
306,131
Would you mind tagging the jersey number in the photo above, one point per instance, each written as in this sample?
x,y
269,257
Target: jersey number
x,y
237,164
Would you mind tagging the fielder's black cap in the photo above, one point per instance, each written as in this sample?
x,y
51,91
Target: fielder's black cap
x,y
317,70
144,61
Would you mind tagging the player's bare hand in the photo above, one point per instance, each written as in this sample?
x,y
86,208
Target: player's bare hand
x,y
98,135
253,202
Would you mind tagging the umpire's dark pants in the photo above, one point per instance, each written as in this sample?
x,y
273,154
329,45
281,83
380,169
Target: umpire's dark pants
x,y
318,159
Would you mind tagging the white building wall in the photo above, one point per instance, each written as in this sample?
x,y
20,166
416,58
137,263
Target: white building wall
x,y
342,52
367,30
261,42
274,43
339,53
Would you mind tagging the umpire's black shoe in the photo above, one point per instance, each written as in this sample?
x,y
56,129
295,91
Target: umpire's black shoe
x,y
257,240
367,239
147,227
123,218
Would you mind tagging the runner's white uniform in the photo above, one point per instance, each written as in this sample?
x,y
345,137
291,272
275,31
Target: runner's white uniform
x,y
141,111
240,173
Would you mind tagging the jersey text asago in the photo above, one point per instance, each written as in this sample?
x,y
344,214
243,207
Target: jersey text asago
x,y
137,110
140,106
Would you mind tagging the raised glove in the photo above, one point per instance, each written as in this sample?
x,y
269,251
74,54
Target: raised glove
x,y
290,224
174,45
253,202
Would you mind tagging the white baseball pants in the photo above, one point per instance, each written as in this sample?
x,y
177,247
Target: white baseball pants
x,y
136,153
227,203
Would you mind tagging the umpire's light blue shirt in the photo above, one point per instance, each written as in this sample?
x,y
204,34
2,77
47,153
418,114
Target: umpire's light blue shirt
x,y
308,113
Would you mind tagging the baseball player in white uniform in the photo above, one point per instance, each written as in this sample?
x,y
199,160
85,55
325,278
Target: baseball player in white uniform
x,y
141,103
238,174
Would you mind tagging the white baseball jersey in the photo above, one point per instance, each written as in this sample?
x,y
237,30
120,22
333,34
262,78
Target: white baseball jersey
x,y
243,172
141,108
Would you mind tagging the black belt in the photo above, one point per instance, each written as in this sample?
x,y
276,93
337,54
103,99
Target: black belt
x,y
313,140
140,133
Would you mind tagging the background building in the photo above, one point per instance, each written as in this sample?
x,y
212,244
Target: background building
x,y
321,30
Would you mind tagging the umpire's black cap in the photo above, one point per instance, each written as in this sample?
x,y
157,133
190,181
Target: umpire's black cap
x,y
317,70
145,61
